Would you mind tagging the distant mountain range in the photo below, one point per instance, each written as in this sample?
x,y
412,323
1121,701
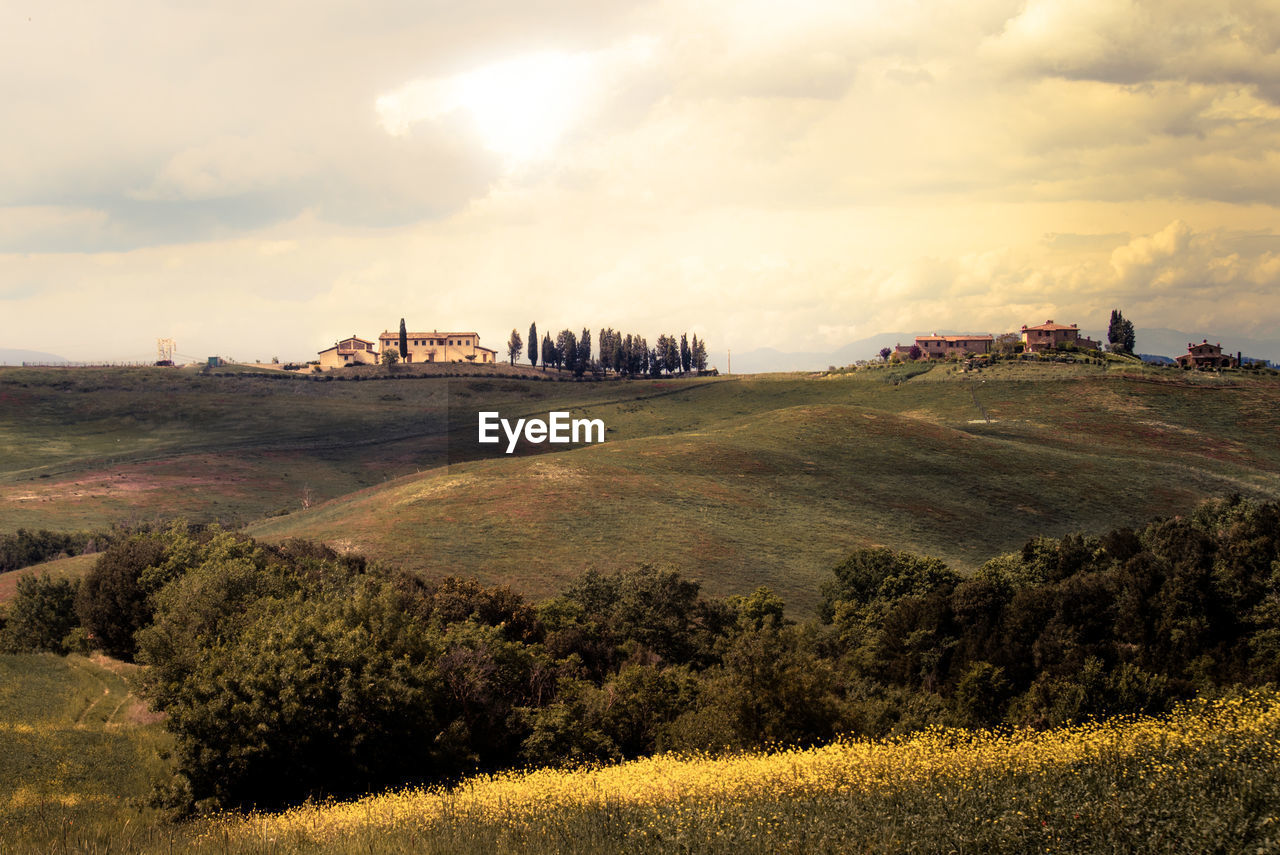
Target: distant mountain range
x,y
1153,340
17,357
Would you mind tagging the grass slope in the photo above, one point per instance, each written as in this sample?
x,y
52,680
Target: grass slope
x,y
84,448
74,567
740,481
772,480
77,750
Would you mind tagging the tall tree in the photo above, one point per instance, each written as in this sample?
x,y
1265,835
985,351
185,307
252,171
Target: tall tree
x,y
1113,328
686,355
1120,334
699,354
515,345
630,355
533,345
404,342
567,345
548,351
608,345
671,359
583,361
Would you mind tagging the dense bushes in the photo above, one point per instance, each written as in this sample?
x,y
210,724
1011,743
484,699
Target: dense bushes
x,y
41,617
25,548
288,671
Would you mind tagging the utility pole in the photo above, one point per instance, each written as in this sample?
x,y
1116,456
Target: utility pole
x,y
730,371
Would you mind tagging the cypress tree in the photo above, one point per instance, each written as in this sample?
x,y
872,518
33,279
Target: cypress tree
x,y
1120,334
533,345
404,342
583,361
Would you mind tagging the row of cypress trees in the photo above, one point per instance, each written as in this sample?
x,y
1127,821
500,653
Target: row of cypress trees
x,y
626,355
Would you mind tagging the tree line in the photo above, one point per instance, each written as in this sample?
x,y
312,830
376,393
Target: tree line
x,y
28,547
626,355
288,671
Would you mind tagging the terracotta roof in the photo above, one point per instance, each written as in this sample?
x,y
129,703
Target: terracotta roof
x,y
954,338
432,334
1050,325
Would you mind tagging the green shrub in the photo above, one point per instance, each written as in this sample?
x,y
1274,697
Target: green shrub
x,y
41,616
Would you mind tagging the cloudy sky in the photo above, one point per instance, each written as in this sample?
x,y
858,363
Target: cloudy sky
x,y
257,179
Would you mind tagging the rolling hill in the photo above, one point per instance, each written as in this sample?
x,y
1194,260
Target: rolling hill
x,y
772,481
739,481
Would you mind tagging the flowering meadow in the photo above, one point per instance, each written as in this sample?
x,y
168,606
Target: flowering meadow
x,y
1205,778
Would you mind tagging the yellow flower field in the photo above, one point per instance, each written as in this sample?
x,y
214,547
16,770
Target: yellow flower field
x,y
1026,788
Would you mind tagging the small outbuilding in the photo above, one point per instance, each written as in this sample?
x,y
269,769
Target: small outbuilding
x,y
350,351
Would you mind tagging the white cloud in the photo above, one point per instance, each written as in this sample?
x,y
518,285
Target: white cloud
x,y
766,174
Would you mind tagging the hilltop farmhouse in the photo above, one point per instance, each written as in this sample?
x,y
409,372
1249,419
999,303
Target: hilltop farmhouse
x,y
1038,339
1051,336
350,351
941,346
1205,355
434,346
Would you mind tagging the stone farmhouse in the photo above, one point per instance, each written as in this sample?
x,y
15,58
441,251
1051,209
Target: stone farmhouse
x,y
1050,336
941,346
1045,337
1205,355
436,346
350,351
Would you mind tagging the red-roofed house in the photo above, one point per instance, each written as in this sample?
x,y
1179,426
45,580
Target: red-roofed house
x,y
436,346
349,351
1205,355
1050,336
942,346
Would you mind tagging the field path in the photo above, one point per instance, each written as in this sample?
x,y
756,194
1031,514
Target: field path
x,y
100,670
83,667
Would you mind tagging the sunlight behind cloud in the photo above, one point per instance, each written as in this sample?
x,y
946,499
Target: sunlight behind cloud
x,y
519,107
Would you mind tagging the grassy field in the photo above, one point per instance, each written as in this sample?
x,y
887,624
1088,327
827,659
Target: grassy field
x,y
772,480
85,448
77,751
62,568
739,481
1206,778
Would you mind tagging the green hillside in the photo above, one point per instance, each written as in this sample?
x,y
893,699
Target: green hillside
x,y
86,448
76,747
739,481
772,480
60,568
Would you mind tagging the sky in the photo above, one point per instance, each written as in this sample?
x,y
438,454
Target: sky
x,y
258,179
